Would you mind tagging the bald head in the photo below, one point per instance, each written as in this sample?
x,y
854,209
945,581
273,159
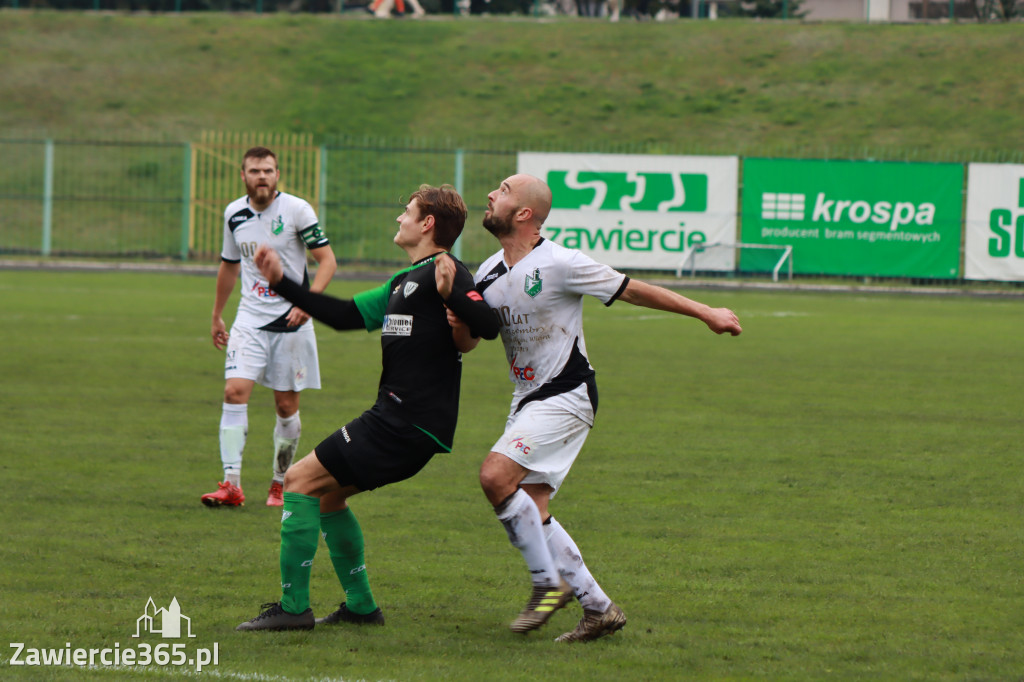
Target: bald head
x,y
532,193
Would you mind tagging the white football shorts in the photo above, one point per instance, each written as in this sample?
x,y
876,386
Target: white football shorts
x,y
545,438
282,361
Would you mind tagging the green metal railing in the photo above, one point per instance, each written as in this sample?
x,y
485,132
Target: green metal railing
x,y
138,199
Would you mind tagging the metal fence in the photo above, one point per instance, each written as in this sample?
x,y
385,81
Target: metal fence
x,y
165,199
121,199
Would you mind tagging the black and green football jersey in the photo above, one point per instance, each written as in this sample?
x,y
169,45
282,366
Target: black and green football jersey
x,y
421,368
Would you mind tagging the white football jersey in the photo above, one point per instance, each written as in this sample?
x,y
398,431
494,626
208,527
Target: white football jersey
x,y
289,226
539,304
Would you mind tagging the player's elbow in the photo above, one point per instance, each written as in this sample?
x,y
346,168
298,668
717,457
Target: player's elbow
x,y
488,330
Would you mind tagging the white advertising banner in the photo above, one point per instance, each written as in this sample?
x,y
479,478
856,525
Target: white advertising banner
x,y
994,242
638,211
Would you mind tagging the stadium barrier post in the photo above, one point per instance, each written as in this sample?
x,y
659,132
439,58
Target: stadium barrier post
x,y
459,182
186,199
47,198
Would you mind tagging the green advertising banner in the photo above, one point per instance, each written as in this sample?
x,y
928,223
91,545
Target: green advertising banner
x,y
856,217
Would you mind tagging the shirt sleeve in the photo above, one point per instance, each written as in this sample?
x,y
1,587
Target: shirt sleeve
x,y
336,313
587,277
229,251
466,302
373,304
312,235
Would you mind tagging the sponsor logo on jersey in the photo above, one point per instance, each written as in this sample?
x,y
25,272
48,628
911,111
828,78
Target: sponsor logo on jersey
x,y
409,288
277,225
508,317
522,372
397,325
239,218
533,284
521,445
263,291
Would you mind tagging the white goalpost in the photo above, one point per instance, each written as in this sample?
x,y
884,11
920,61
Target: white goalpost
x,y
690,256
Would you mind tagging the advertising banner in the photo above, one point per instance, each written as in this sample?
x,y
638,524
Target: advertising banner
x,y
639,211
994,244
857,218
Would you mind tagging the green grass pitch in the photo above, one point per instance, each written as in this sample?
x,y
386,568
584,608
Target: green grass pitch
x,y
835,494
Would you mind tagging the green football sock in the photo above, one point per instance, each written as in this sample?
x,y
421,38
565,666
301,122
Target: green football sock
x,y
299,524
344,540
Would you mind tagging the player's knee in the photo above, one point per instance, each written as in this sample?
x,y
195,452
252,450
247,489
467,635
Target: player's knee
x,y
286,406
293,480
495,484
235,395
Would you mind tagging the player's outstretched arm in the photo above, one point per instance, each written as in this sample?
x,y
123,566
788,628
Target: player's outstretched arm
x,y
334,312
718,320
327,264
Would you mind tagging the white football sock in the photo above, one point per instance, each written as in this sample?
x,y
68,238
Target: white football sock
x,y
570,565
286,441
234,427
521,519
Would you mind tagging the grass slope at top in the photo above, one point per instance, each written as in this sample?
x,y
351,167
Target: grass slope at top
x,y
824,496
727,86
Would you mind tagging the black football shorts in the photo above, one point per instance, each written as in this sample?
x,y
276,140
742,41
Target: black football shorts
x,y
374,450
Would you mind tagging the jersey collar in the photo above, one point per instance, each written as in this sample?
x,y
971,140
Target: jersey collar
x,y
427,259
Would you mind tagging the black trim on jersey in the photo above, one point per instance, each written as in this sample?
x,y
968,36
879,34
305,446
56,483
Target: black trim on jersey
x,y
498,271
280,325
576,371
228,260
243,216
613,299
492,276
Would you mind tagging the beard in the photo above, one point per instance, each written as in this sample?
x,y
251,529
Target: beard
x,y
261,193
498,226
